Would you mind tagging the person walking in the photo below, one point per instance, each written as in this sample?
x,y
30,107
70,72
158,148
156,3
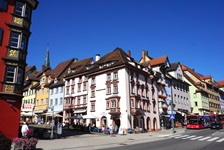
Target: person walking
x,y
24,129
111,130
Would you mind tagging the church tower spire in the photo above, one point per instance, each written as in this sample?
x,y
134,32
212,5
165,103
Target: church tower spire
x,y
47,59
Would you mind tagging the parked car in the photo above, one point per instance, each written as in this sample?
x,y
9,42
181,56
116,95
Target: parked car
x,y
216,125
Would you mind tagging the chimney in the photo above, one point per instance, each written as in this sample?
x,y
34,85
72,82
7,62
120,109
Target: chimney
x,y
143,55
146,52
129,53
97,57
193,69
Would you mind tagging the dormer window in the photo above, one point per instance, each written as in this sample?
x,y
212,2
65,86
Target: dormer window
x,y
69,70
55,80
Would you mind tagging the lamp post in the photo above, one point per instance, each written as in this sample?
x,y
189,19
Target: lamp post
x,y
172,120
52,122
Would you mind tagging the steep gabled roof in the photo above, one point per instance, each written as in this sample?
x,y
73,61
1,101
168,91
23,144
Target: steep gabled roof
x,y
173,67
185,68
28,68
221,83
158,61
78,67
59,69
115,58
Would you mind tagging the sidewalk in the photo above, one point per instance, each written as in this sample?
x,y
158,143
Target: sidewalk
x,y
101,141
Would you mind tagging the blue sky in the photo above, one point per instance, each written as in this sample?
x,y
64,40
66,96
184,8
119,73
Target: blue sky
x,y
188,31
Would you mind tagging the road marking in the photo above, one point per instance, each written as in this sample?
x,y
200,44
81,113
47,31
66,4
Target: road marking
x,y
215,138
189,137
180,136
220,140
205,138
197,138
215,132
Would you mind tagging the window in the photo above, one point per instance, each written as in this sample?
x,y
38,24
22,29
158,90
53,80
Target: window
x,y
22,10
37,102
3,4
56,102
108,105
23,43
20,76
108,77
115,75
84,100
51,103
42,91
93,80
73,89
61,89
61,100
92,106
10,74
196,104
132,103
56,90
51,90
79,87
14,40
1,32
108,90
84,86
47,101
115,89
67,90
92,93
42,102
113,104
78,101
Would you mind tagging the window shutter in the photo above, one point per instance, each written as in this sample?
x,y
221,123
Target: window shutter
x,y
3,4
1,33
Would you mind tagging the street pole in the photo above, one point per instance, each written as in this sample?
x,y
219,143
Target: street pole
x,y
172,120
52,123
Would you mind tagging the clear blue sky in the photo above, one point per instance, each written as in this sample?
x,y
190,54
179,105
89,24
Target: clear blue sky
x,y
188,31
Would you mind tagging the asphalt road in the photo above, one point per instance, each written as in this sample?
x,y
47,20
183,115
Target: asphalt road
x,y
205,139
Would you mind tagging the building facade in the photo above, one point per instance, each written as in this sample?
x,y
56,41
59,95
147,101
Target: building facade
x,y
14,36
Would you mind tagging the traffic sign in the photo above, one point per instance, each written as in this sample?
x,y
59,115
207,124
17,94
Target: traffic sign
x,y
172,117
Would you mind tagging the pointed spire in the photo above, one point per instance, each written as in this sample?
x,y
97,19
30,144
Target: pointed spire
x,y
47,59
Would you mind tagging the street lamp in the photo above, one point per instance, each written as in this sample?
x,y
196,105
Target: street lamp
x,y
52,122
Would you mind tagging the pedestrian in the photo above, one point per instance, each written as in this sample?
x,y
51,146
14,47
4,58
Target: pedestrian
x,y
24,129
111,130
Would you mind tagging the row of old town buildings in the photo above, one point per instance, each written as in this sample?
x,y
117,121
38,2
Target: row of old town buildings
x,y
112,89
116,89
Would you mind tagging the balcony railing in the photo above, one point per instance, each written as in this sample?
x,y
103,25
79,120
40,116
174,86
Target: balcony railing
x,y
114,110
136,111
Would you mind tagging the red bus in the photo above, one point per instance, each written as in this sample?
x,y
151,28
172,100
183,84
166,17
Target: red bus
x,y
220,117
199,121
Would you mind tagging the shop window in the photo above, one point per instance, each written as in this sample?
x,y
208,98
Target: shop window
x,y
3,5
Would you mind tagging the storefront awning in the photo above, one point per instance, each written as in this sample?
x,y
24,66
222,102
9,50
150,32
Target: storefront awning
x,y
79,111
27,114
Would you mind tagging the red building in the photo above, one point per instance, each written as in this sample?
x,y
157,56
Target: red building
x,y
15,21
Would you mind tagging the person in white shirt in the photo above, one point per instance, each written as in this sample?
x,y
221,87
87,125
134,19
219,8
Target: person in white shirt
x,y
24,129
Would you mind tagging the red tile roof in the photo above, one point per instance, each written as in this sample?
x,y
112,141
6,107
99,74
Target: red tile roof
x,y
158,61
221,83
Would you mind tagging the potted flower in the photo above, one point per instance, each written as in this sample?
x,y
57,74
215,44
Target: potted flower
x,y
25,143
